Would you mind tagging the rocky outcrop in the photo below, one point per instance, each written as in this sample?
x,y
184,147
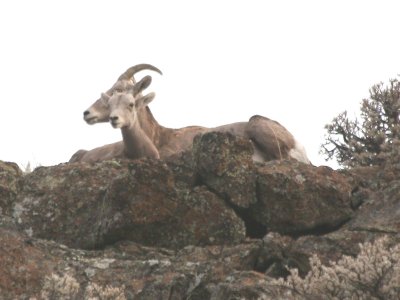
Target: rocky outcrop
x,y
90,206
35,268
294,198
205,224
281,196
10,175
226,170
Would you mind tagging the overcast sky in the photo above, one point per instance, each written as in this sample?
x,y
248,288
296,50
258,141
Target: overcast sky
x,y
298,62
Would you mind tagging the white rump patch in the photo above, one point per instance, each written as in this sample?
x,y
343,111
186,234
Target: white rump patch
x,y
299,153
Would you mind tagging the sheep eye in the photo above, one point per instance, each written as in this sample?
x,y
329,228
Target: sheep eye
x,y
131,104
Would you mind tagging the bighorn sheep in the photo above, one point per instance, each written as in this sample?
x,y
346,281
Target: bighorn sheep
x,y
123,114
270,139
99,112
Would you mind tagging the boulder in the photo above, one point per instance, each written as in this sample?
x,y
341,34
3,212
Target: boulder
x,y
377,216
10,175
223,163
67,203
380,212
283,196
90,206
296,198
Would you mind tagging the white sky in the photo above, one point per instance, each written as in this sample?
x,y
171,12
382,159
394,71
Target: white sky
x,y
298,62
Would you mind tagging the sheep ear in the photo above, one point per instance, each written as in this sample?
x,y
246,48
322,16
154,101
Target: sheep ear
x,y
142,84
145,100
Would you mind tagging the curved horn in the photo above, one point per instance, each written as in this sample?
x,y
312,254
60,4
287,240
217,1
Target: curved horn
x,y
128,74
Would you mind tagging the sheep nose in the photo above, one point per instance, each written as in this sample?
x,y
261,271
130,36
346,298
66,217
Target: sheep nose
x,y
85,113
113,118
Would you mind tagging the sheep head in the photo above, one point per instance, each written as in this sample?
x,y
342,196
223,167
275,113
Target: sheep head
x,y
124,106
99,111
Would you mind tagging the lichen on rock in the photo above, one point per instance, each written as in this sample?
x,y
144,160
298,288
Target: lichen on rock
x,y
205,224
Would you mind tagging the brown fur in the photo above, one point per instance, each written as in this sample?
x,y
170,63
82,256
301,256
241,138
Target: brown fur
x,y
269,138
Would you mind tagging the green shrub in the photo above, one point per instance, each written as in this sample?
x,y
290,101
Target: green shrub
x,y
372,139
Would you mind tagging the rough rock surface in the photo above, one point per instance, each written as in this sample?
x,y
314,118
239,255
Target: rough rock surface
x,y
295,198
9,179
226,170
90,206
206,224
